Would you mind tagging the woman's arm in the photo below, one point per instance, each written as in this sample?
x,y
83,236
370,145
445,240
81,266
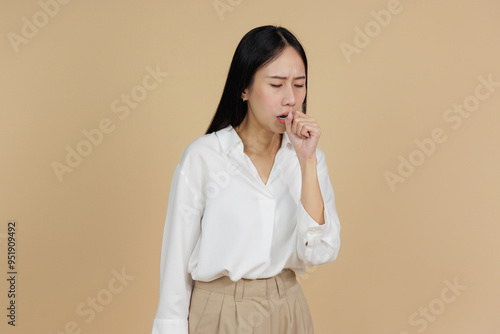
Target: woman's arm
x,y
311,197
304,132
317,220
317,241
181,232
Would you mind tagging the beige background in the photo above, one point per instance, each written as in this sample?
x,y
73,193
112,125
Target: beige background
x,y
400,246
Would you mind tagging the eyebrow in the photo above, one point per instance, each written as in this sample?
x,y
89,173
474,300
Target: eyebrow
x,y
283,78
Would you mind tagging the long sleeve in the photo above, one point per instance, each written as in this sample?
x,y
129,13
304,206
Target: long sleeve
x,y
323,241
181,232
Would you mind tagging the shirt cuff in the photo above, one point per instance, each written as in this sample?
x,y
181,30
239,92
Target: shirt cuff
x,y
170,326
309,229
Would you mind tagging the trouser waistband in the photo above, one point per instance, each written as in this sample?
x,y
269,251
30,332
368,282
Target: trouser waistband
x,y
251,287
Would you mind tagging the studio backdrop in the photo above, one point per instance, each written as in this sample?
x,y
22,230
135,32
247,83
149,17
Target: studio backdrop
x,y
100,98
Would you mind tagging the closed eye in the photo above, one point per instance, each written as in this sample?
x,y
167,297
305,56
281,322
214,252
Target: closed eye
x,y
273,85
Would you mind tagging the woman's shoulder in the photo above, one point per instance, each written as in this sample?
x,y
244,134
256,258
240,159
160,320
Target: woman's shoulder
x,y
210,142
203,147
202,153
202,143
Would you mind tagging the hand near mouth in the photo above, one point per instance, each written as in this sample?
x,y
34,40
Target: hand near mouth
x,y
303,132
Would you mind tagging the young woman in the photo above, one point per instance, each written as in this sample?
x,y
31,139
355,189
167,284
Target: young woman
x,y
250,204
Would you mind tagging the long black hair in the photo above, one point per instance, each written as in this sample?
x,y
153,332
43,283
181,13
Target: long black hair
x,y
257,48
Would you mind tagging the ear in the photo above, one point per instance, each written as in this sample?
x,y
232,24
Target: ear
x,y
244,95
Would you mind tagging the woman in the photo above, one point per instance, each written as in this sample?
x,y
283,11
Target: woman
x,y
250,204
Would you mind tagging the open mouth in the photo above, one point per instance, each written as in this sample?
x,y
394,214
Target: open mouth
x,y
283,116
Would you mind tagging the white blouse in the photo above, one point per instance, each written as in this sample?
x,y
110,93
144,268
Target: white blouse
x,y
223,220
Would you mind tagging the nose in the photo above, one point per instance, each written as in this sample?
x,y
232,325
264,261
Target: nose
x,y
289,96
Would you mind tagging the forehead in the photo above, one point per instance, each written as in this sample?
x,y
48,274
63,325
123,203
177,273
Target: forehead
x,y
288,63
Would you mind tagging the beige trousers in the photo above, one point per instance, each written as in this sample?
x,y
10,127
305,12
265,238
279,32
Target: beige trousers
x,y
274,305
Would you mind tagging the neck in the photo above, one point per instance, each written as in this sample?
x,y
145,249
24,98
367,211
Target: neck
x,y
257,140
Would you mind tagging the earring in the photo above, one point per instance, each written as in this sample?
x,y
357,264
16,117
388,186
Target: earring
x,y
244,99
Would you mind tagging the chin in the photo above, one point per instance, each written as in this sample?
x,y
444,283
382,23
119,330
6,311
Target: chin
x,y
278,129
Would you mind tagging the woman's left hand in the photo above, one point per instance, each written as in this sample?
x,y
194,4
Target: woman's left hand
x,y
303,132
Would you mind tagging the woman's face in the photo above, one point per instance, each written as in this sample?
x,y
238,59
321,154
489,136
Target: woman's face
x,y
277,89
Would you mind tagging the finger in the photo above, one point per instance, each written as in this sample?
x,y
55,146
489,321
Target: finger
x,y
311,126
306,130
306,119
295,122
298,126
311,130
300,113
301,129
307,127
288,123
309,121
